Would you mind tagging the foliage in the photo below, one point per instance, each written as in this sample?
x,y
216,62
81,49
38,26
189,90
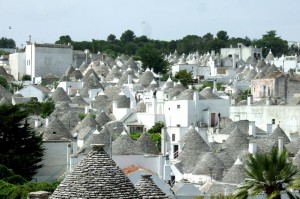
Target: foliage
x,y
47,107
20,148
211,85
82,116
111,38
2,52
9,176
270,173
156,128
7,43
152,58
8,190
184,77
26,77
65,39
4,82
155,137
270,41
127,36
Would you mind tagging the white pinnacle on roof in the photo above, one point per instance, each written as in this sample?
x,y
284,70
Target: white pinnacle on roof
x,y
153,82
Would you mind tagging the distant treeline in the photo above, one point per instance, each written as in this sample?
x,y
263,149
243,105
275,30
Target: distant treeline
x,y
129,44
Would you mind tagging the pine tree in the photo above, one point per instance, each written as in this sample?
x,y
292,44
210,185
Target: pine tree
x,y
20,148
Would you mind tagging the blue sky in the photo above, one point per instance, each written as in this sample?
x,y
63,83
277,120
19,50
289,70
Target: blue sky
x,y
166,20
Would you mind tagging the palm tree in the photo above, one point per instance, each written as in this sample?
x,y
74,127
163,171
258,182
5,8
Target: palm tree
x,y
270,173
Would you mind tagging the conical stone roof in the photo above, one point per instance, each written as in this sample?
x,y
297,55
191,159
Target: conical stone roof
x,y
194,147
148,189
102,118
77,99
123,101
56,130
88,121
59,95
236,173
209,165
208,94
146,78
236,142
278,132
76,75
70,120
102,137
296,160
124,145
101,102
146,145
96,176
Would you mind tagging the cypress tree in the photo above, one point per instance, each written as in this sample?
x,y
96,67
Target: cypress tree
x,y
20,148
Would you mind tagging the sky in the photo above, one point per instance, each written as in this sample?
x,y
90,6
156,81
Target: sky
x,y
84,20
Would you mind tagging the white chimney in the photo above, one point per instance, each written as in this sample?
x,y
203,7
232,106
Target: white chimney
x,y
252,148
46,122
249,100
132,104
114,105
252,129
196,95
86,109
101,78
129,79
269,129
215,86
37,123
280,144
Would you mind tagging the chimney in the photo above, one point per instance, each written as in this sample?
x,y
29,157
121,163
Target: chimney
x,y
252,148
280,144
37,123
114,106
132,104
163,141
129,79
101,78
196,96
252,129
233,101
86,110
46,122
249,100
269,129
215,86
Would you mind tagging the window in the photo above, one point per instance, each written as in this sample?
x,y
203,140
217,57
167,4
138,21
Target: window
x,y
178,106
178,125
173,137
273,121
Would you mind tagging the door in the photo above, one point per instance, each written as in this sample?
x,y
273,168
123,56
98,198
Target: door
x,y
212,119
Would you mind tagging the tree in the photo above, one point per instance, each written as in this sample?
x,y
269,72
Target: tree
x,y
7,43
184,77
152,58
222,35
270,173
127,36
20,148
65,39
156,128
3,82
111,38
271,41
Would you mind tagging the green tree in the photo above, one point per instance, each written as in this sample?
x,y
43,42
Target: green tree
x,y
152,58
4,82
222,35
127,36
65,39
47,107
20,148
156,128
273,42
7,43
111,38
271,173
184,77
